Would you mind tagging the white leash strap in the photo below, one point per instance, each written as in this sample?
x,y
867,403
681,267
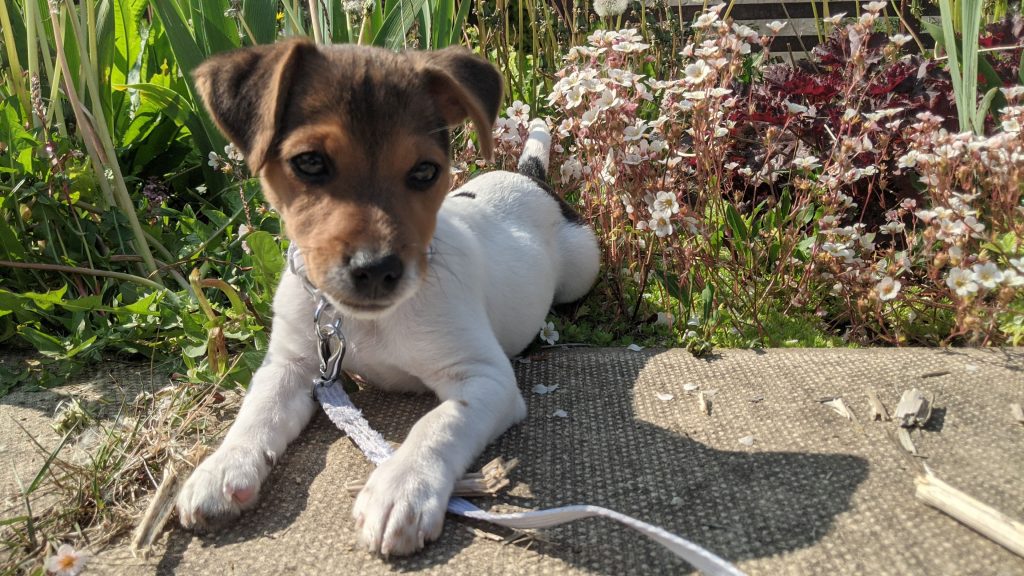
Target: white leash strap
x,y
340,409
347,417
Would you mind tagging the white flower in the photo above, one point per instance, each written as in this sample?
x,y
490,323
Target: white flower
x,y
874,6
987,274
961,281
571,169
696,72
605,8
926,216
775,26
806,162
214,160
1012,278
891,228
609,171
1011,125
548,333
956,254
706,19
888,288
1012,92
635,132
661,224
835,19
608,99
1017,263
900,39
234,154
67,562
796,109
665,203
575,96
589,117
518,108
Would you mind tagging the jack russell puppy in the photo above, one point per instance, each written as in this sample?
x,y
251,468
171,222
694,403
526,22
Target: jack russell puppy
x,y
436,289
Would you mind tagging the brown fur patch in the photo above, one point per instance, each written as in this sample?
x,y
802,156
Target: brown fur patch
x,y
374,115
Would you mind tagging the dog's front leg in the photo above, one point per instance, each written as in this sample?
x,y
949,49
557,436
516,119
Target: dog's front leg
x,y
403,503
277,406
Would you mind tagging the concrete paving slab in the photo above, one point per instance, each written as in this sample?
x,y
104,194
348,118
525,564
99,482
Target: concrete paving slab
x,y
814,493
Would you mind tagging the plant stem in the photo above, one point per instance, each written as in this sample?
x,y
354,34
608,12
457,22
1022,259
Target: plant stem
x,y
86,271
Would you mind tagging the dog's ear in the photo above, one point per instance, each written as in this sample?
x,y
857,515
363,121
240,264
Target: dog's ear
x,y
465,86
245,91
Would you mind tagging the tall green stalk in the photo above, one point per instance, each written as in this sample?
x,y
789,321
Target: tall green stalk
x,y
96,135
963,62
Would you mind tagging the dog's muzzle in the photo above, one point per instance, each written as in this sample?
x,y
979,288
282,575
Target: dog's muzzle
x,y
373,278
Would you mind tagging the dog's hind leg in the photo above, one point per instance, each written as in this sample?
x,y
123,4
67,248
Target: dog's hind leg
x,y
276,408
580,260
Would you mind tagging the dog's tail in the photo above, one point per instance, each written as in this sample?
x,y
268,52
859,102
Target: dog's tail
x,y
536,152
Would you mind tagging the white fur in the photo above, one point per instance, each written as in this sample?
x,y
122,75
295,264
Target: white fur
x,y
500,260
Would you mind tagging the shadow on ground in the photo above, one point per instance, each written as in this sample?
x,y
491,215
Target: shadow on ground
x,y
620,447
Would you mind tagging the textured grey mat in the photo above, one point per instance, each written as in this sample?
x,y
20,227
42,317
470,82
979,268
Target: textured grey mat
x,y
814,494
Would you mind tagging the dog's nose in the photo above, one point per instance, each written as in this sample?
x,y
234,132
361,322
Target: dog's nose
x,y
375,277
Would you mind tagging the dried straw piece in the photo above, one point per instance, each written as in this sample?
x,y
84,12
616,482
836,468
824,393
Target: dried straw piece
x,y
158,511
903,435
878,411
914,409
839,407
984,519
487,482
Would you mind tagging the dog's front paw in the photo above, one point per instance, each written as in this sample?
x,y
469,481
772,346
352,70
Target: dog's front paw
x,y
222,486
401,507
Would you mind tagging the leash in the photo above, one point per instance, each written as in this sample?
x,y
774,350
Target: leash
x,y
331,395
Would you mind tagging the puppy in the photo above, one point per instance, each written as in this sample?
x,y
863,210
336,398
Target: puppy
x,y
435,289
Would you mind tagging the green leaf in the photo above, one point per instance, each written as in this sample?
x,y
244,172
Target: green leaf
x,y
261,18
215,32
143,305
268,261
78,348
395,27
460,20
47,300
707,297
44,343
189,56
983,106
735,222
671,284
91,303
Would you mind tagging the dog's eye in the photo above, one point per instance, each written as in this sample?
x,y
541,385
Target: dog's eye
x,y
310,165
423,175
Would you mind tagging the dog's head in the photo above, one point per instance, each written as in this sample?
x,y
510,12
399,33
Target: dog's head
x,y
351,145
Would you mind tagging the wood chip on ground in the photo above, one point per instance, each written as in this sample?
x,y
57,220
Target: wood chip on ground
x,y
914,409
1018,413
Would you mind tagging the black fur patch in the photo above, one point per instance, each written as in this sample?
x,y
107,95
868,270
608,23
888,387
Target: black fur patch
x,y
568,212
532,166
